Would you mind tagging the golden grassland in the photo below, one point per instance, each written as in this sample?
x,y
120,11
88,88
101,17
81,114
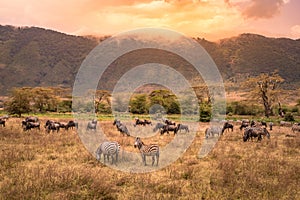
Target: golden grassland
x,y
37,165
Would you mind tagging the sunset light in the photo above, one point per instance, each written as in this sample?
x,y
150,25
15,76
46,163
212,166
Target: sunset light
x,y
210,19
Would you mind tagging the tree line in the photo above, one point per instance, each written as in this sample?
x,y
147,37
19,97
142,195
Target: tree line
x,y
263,98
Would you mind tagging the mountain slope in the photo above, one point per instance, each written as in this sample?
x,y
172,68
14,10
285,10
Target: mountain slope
x,y
31,56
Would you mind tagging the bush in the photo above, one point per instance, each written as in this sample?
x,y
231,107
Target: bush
x,y
289,117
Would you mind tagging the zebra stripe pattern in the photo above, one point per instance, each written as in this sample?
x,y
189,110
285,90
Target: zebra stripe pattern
x,y
147,150
108,149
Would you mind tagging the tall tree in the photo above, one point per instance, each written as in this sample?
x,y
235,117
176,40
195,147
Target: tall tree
x,y
265,88
19,102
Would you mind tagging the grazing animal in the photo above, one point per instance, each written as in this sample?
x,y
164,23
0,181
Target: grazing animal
x,y
139,122
212,131
253,132
31,119
2,122
168,128
52,126
5,117
31,125
295,128
147,150
169,122
92,125
72,124
227,126
108,149
271,126
244,125
182,127
286,124
158,126
121,127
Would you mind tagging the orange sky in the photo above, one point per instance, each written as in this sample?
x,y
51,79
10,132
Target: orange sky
x,y
211,19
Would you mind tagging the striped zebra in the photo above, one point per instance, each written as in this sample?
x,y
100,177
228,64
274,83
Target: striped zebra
x,y
147,150
108,149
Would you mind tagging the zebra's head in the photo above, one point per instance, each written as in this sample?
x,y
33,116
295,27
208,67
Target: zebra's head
x,y
138,143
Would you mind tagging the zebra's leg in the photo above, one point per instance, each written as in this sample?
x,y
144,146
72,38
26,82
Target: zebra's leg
x,y
144,160
153,159
157,158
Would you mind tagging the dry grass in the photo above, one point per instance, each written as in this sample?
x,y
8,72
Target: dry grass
x,y
36,165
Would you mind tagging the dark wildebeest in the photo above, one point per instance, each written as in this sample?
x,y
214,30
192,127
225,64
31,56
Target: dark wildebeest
x,y
169,122
253,132
143,123
158,126
72,124
244,125
52,126
121,127
168,128
31,125
31,119
2,122
92,125
182,127
227,126
212,131
271,126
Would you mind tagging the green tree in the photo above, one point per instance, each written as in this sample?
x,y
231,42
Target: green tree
x,y
19,102
265,89
139,105
166,99
43,99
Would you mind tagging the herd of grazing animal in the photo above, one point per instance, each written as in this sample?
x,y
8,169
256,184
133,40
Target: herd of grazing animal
x,y
111,149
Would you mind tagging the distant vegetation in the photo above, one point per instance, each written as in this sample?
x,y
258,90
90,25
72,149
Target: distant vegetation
x,y
36,57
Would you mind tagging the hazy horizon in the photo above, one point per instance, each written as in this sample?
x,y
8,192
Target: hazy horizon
x,y
209,19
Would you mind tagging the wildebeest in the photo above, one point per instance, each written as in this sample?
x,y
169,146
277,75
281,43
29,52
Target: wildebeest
x,y
2,122
31,119
92,125
286,124
141,122
121,127
252,132
182,127
212,131
158,126
72,124
52,126
227,126
168,128
31,125
244,125
169,122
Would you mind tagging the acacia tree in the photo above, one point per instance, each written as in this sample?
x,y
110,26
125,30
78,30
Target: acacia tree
x,y
19,102
265,88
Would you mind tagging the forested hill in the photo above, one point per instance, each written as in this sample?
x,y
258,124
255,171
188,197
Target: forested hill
x,y
31,56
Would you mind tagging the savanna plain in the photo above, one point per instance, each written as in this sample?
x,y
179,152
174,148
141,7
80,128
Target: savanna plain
x,y
39,165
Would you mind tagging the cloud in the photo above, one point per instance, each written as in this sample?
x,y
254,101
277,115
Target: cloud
x,y
263,8
295,31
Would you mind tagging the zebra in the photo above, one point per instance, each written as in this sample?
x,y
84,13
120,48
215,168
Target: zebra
x,y
108,148
147,150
